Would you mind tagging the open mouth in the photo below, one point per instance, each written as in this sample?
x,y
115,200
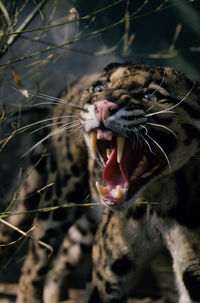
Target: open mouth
x,y
127,164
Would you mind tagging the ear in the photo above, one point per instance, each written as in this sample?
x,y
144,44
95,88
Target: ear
x,y
112,66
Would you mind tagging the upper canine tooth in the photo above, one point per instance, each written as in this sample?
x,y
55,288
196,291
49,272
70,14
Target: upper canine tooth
x,y
98,136
120,147
101,189
108,152
93,142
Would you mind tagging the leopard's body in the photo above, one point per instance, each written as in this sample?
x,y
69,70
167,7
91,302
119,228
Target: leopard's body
x,y
142,127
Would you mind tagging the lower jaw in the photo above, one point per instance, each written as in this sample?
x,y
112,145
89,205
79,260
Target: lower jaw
x,y
118,205
129,197
112,201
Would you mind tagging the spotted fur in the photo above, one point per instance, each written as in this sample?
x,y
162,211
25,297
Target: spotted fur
x,y
152,194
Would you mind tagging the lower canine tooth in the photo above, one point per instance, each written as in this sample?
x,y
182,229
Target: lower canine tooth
x,y
118,193
120,147
93,142
101,189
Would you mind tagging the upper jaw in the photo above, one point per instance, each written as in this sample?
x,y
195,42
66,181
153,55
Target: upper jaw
x,y
109,146
126,166
106,135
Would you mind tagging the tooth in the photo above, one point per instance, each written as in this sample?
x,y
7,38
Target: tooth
x,y
154,168
118,193
120,147
150,172
103,190
108,152
109,137
140,169
144,160
93,142
146,175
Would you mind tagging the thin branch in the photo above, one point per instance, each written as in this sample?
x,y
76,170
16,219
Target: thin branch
x,y
48,209
28,19
90,35
25,234
5,12
64,22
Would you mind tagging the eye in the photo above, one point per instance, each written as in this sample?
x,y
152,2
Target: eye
x,y
148,96
151,95
98,87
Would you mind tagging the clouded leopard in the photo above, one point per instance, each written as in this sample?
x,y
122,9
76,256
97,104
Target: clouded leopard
x,y
141,126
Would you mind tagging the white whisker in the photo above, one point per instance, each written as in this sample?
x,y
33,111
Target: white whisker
x,y
43,121
45,126
162,150
145,128
55,123
174,106
77,129
164,111
53,133
168,110
67,127
45,103
55,99
160,85
148,145
162,126
135,131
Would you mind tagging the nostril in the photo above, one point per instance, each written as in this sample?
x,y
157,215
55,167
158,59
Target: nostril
x,y
104,109
113,111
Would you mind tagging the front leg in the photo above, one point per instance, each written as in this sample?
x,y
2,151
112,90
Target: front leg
x,y
184,245
75,248
119,251
69,186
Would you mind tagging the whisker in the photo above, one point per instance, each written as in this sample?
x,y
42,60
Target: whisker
x,y
53,133
76,130
70,127
45,103
168,110
135,131
162,126
45,126
67,127
55,123
164,111
43,121
57,100
145,128
162,150
160,85
148,145
182,100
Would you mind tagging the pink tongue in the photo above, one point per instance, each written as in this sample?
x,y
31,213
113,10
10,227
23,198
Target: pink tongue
x,y
112,174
